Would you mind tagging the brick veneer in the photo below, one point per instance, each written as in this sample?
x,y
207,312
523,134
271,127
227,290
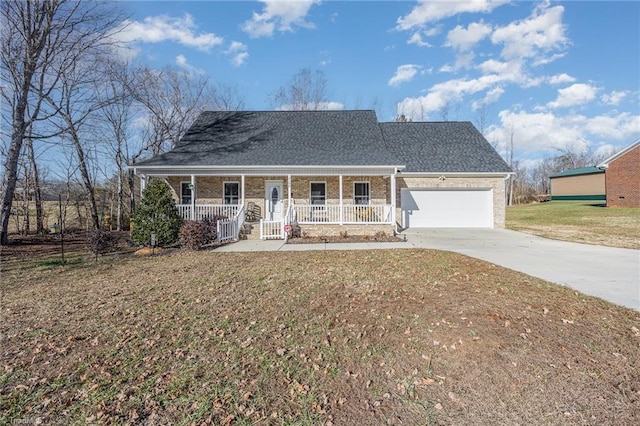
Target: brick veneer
x,y
622,180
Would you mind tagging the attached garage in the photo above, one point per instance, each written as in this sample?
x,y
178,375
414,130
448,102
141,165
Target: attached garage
x,y
447,208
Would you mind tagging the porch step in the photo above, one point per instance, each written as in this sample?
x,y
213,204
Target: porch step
x,y
251,231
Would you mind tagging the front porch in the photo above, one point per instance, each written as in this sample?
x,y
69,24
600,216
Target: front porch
x,y
314,205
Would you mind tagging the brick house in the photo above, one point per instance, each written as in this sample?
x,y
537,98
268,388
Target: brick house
x,y
622,177
332,171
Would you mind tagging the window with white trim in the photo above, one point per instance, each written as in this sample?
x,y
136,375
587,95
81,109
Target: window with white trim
x,y
231,192
361,194
185,192
318,193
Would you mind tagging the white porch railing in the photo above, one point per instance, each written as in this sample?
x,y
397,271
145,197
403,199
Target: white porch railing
x,y
348,214
271,229
203,211
229,229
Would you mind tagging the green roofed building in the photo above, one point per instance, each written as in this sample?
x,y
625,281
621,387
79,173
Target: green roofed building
x,y
584,183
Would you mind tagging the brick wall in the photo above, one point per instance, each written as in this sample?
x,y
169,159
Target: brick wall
x,y
622,179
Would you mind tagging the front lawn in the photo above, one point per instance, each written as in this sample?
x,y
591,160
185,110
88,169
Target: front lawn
x,y
578,221
337,337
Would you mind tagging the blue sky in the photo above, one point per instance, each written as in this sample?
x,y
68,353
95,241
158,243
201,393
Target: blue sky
x,y
553,75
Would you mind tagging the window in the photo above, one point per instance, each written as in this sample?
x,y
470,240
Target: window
x,y
231,193
185,192
361,192
318,191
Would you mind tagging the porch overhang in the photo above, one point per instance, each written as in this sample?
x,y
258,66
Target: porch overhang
x,y
282,170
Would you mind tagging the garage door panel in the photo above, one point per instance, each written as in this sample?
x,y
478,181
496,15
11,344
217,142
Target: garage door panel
x,y
447,208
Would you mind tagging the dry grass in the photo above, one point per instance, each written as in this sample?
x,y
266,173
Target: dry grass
x,y
381,337
578,221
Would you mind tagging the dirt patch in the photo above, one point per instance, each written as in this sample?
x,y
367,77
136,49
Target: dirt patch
x,y
339,337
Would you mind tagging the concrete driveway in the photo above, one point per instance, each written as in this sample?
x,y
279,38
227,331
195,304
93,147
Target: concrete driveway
x,y
610,273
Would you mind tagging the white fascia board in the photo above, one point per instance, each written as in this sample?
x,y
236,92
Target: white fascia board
x,y
257,170
456,174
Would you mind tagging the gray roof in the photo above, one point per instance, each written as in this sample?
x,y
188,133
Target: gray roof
x,y
450,146
280,138
330,138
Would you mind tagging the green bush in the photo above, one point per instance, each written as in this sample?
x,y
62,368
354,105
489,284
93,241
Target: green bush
x,y
157,213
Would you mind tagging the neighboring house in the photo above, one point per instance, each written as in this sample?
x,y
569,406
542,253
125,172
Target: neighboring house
x,y
584,183
333,172
622,177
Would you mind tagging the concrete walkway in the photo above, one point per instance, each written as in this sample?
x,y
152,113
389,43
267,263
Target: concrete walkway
x,y
610,273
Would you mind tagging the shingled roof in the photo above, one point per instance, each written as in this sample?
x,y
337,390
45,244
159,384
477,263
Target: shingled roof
x,y
442,147
330,138
280,138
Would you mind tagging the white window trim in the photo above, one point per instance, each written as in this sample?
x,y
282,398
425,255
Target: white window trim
x,y
187,182
224,183
325,192
368,194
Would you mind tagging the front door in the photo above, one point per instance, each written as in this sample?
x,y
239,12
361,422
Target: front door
x,y
274,202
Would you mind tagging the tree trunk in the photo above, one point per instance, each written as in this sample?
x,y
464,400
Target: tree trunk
x,y
37,190
86,178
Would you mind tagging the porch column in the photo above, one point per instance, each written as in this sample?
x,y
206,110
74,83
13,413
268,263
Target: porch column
x,y
242,190
341,212
193,197
143,184
289,191
393,198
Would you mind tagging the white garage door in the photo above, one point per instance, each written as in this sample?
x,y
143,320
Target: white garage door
x,y
451,208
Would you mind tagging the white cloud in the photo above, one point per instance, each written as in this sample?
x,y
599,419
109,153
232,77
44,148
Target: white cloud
x,y
404,73
614,98
561,79
416,39
238,52
280,15
540,33
546,131
428,11
156,29
442,94
181,61
576,94
463,39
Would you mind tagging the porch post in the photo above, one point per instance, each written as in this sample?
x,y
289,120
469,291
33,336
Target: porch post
x,y
341,212
393,198
193,197
242,190
143,184
288,191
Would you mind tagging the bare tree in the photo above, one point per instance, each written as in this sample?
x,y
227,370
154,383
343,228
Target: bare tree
x,y
228,98
305,91
114,122
171,101
40,39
